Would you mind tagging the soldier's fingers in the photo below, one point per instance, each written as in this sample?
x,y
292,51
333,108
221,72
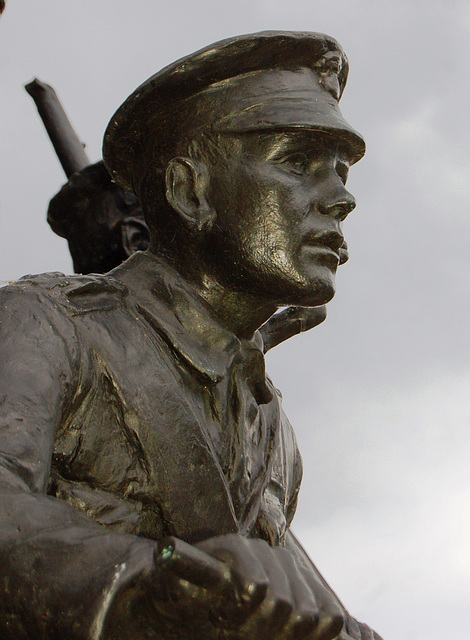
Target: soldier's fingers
x,y
329,627
312,317
184,577
331,617
186,562
366,632
317,613
274,613
352,627
305,614
247,574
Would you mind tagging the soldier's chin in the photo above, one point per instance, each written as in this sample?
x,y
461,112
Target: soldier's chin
x,y
322,296
314,294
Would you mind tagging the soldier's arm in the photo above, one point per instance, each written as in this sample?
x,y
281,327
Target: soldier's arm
x,y
59,570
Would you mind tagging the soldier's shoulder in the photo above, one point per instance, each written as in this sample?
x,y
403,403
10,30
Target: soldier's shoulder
x,y
79,292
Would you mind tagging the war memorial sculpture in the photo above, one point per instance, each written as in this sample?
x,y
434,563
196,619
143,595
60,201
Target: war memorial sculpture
x,y
148,476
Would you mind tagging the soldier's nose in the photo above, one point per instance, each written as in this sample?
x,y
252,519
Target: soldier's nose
x,y
338,205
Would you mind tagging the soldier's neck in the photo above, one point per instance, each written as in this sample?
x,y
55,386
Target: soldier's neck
x,y
239,311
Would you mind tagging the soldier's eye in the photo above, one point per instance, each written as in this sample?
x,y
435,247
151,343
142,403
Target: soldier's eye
x,y
342,170
296,163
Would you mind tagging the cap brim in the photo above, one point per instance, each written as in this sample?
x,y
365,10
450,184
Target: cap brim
x,y
310,113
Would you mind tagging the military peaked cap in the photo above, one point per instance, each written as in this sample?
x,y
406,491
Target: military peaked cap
x,y
273,80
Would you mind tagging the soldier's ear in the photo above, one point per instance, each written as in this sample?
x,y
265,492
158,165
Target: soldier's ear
x,y
134,235
186,182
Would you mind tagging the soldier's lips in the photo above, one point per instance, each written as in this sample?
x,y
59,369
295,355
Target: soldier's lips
x,y
326,244
343,254
322,253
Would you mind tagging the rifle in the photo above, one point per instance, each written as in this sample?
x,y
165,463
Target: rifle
x,y
68,147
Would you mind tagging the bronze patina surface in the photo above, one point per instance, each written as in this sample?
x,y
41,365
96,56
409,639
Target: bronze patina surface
x,y
149,476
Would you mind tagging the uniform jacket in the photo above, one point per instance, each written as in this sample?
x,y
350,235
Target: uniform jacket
x,y
126,413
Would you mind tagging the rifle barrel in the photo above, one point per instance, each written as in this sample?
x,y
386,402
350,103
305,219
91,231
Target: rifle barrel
x,y
67,145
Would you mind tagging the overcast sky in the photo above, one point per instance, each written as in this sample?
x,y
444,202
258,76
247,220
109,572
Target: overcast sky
x,y
378,395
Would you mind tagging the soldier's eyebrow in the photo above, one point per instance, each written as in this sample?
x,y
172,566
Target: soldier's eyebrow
x,y
276,145
299,141
317,142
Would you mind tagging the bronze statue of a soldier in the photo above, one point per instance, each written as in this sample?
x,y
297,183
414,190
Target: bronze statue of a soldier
x,y
148,474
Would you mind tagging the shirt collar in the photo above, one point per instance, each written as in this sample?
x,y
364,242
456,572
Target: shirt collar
x,y
187,321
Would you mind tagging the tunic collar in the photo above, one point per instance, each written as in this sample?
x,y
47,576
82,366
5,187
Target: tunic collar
x,y
169,302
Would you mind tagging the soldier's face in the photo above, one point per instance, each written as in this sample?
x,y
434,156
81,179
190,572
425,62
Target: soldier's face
x,y
280,199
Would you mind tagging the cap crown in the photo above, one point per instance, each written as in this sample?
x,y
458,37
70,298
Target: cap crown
x,y
268,80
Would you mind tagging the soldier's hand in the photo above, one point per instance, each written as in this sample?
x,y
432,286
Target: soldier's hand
x,y
354,630
246,589
290,322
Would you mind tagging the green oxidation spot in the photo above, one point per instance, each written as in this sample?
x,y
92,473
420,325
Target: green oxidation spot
x,y
166,554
